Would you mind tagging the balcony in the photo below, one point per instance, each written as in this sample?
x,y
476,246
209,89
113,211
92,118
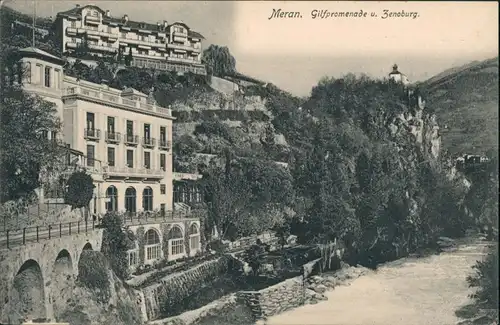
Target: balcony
x,y
113,137
138,173
181,47
93,19
106,48
182,60
148,142
164,145
92,134
131,140
143,42
116,100
71,30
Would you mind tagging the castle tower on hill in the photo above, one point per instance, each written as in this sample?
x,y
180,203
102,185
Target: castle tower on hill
x,y
398,76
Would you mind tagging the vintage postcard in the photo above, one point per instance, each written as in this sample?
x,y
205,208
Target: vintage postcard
x,y
248,162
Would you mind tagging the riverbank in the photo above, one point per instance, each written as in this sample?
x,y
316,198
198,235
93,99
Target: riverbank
x,y
412,291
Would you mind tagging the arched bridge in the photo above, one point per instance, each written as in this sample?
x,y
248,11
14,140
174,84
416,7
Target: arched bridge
x,y
32,263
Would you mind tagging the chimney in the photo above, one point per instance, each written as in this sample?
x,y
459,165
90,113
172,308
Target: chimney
x,y
165,24
108,13
125,18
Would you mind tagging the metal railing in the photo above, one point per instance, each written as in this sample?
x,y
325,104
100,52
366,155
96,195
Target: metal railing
x,y
113,136
132,139
17,237
12,238
164,144
148,142
92,134
145,217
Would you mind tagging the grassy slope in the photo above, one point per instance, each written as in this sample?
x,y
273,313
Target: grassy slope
x,y
466,100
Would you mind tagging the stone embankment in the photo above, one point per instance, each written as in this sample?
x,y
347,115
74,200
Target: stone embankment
x,y
295,292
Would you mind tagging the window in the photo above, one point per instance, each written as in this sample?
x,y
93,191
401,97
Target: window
x,y
47,76
45,134
163,161
147,131
147,199
123,35
28,73
152,245
57,73
40,73
130,200
176,241
130,128
163,188
194,237
143,52
163,135
53,135
111,156
111,124
90,121
147,159
133,258
112,195
90,155
73,24
162,209
130,158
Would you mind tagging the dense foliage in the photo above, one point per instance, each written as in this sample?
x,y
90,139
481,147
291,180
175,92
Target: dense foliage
x,y
247,196
93,273
25,121
485,280
219,61
117,240
80,190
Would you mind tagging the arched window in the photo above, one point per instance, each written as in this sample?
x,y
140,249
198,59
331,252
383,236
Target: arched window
x,y
147,199
194,237
152,245
112,195
175,242
130,200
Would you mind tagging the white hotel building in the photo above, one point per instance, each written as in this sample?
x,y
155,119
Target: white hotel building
x,y
164,46
126,139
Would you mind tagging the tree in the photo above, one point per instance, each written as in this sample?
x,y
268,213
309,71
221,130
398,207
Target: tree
x,y
82,48
80,190
129,58
219,61
25,120
117,240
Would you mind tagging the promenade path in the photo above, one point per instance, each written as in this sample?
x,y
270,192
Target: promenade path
x,y
411,291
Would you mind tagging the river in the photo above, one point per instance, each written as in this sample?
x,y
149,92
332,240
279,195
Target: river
x,y
411,291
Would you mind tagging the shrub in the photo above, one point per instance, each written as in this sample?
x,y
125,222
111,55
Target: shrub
x,y
117,240
93,273
80,190
485,280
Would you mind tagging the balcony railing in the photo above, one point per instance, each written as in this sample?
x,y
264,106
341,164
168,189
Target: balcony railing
x,y
71,30
113,137
92,134
134,172
162,64
131,139
148,142
117,99
181,47
107,47
164,145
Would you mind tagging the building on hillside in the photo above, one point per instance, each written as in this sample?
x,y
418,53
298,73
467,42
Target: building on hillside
x,y
128,134
398,76
163,46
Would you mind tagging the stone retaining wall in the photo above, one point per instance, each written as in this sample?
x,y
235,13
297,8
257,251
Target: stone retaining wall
x,y
176,287
274,300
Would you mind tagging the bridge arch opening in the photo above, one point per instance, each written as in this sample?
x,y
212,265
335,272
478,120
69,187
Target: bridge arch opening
x,y
28,292
88,247
61,281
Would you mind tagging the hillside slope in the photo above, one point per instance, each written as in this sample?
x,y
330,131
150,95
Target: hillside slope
x,y
465,99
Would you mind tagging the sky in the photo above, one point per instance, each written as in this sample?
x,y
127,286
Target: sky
x,y
294,53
